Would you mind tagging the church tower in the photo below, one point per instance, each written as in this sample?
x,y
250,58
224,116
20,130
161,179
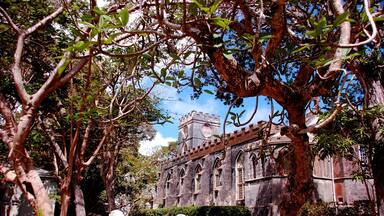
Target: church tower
x,y
195,128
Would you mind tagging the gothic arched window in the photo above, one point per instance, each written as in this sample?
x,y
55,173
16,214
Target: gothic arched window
x,y
181,180
168,184
254,166
240,177
197,179
217,171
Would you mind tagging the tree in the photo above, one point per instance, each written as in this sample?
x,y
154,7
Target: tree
x,y
297,53
16,125
360,125
90,31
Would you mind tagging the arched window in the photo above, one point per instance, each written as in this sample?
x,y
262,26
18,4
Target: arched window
x,y
217,171
240,177
197,179
254,166
168,184
181,180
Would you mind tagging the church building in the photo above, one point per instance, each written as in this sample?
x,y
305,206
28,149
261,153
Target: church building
x,y
206,171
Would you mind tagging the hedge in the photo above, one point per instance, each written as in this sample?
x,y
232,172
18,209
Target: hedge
x,y
359,208
196,211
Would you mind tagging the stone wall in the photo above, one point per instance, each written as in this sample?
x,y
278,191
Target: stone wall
x,y
264,183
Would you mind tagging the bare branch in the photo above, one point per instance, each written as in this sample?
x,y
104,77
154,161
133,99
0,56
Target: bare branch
x,y
322,124
101,143
345,35
63,80
370,37
54,144
16,70
44,21
10,21
134,53
85,139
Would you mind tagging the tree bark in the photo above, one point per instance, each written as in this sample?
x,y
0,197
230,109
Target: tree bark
x,y
376,97
79,200
378,176
110,196
31,183
300,182
65,198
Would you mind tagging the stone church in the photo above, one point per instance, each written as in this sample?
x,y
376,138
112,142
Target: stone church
x,y
206,171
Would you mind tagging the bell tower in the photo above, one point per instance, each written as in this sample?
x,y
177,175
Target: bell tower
x,y
195,128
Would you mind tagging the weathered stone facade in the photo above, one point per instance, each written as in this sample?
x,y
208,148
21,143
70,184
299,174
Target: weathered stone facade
x,y
206,171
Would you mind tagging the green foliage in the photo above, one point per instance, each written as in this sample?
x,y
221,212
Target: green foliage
x,y
328,143
360,207
316,209
350,129
208,10
196,211
221,22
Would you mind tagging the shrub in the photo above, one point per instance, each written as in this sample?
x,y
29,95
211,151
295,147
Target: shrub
x,y
196,211
316,209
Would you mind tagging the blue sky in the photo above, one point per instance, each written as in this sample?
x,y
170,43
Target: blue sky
x,y
179,104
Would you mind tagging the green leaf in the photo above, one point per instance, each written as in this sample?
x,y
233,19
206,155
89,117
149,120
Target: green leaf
x,y
198,4
241,113
208,91
265,37
378,19
111,38
3,28
344,58
197,82
340,19
303,47
163,72
124,16
80,46
99,11
248,37
221,22
62,68
180,74
214,6
87,24
104,21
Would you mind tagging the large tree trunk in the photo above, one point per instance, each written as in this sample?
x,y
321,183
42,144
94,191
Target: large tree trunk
x,y
79,200
378,177
110,196
65,198
300,182
30,181
376,97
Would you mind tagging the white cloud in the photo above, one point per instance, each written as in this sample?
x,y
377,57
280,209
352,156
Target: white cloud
x,y
178,106
148,147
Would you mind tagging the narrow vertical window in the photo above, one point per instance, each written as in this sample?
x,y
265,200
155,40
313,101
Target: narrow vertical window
x,y
197,179
240,177
217,174
168,185
181,180
254,166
